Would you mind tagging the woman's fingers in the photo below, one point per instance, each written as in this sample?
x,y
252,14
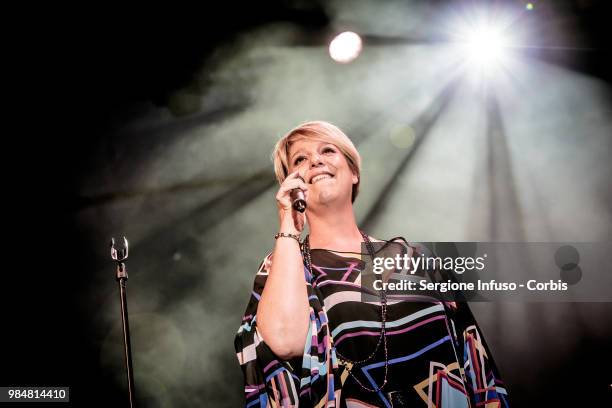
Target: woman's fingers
x,y
283,196
284,192
293,183
283,201
299,173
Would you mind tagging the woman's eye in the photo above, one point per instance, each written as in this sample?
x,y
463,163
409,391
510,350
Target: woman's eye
x,y
298,160
329,150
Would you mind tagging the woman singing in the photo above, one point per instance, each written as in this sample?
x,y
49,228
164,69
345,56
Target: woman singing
x,y
310,338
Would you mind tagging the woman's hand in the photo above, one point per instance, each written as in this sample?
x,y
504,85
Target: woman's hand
x,y
283,313
291,221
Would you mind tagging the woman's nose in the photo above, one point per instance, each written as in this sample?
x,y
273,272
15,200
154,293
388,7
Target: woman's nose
x,y
316,161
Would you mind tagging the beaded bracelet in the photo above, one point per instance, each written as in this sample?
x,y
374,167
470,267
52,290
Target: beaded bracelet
x,y
287,235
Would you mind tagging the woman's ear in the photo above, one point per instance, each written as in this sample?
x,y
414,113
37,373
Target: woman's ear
x,y
355,178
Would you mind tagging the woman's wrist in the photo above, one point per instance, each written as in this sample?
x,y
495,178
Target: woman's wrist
x,y
289,231
288,235
287,224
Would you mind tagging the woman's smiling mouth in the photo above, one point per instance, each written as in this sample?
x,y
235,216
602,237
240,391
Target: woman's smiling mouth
x,y
320,177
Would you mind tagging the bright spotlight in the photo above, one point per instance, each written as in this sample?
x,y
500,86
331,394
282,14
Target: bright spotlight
x,y
345,47
485,46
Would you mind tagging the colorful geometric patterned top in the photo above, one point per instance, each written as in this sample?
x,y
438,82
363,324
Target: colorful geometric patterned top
x,y
437,355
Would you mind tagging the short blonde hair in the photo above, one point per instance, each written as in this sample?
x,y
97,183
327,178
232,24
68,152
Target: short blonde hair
x,y
316,130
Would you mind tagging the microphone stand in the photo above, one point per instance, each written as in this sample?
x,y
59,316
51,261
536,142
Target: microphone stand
x,y
120,255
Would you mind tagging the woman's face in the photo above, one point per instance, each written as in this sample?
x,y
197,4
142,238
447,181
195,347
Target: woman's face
x,y
324,169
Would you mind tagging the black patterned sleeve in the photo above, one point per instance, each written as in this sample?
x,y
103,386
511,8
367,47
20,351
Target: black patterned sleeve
x,y
482,380
270,381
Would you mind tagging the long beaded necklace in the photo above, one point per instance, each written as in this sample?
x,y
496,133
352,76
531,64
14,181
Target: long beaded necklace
x,y
383,318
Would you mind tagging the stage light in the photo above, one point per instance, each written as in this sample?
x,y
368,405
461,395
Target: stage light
x,y
345,47
529,6
485,46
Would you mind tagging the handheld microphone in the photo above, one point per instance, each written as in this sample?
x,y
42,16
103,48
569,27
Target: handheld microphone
x,y
298,201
